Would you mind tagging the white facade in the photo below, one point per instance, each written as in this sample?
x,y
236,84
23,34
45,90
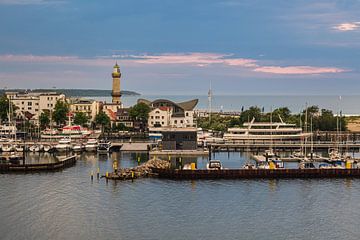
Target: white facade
x,y
163,117
90,107
34,103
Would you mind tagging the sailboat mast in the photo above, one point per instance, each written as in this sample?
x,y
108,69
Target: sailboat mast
x,y
210,102
306,116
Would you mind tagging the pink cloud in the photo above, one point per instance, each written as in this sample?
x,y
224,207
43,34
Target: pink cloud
x,y
349,26
195,59
298,70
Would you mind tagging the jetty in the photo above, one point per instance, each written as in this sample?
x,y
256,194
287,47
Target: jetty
x,y
143,170
39,167
178,174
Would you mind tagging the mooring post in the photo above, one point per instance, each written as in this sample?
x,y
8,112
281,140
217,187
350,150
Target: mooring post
x,y
98,173
92,175
138,160
209,147
107,176
132,176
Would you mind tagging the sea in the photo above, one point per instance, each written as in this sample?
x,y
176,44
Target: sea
x,y
347,105
69,205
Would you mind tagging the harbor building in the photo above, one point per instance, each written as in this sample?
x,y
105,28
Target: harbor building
x,y
179,138
88,106
166,113
30,105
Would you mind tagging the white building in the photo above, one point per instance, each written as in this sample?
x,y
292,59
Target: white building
x,y
166,113
31,104
88,106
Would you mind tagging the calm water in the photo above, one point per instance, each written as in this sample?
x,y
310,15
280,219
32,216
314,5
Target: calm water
x,y
67,205
347,104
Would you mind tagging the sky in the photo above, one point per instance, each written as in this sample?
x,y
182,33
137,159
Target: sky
x,y
241,47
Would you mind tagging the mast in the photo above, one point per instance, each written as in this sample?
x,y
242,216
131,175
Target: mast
x,y
210,102
306,116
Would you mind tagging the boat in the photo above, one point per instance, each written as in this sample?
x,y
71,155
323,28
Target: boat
x,y
36,148
333,165
8,147
19,148
78,147
7,130
263,165
91,145
266,131
249,166
48,148
72,131
278,163
14,158
64,145
104,146
306,164
214,165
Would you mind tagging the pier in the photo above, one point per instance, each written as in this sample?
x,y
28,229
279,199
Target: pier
x,y
61,164
177,174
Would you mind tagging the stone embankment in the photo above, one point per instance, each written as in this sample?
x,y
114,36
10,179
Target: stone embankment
x,y
144,170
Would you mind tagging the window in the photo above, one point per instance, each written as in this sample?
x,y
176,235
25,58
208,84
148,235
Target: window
x,y
157,117
162,123
162,117
29,103
175,121
157,112
187,114
181,121
152,117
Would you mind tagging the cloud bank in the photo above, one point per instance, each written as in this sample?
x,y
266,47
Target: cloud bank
x,y
348,26
194,59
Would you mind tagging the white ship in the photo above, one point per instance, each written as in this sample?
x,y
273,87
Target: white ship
x,y
266,131
64,145
91,145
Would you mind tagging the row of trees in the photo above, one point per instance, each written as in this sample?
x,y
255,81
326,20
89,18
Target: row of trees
x,y
322,120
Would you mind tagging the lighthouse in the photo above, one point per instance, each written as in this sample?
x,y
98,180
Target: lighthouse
x,y
116,75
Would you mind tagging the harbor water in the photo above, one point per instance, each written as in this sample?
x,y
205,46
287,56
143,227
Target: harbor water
x,y
68,205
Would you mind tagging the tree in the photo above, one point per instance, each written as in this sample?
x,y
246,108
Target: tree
x,y
4,107
44,119
252,112
81,118
140,112
102,119
60,111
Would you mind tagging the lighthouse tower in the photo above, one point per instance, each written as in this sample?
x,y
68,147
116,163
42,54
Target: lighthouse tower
x,y
116,75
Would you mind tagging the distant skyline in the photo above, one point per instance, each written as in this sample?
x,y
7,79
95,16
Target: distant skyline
x,y
245,47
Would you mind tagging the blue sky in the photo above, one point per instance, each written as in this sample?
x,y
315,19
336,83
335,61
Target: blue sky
x,y
177,47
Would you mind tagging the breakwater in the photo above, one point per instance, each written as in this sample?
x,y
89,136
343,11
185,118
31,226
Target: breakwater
x,y
61,164
256,173
143,170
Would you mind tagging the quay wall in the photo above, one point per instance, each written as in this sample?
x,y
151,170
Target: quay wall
x,y
256,173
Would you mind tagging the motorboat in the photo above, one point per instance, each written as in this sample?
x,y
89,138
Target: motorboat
x,y
91,145
19,148
48,148
64,145
104,146
8,147
306,164
249,166
78,147
36,148
214,165
14,158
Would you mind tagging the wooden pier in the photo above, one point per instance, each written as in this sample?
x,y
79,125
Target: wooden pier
x,y
281,146
177,174
61,164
